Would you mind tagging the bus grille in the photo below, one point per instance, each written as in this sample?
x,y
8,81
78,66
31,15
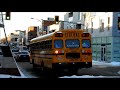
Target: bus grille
x,y
72,55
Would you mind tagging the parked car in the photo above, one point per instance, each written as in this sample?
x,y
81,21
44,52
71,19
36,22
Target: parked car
x,y
15,52
0,52
23,56
15,55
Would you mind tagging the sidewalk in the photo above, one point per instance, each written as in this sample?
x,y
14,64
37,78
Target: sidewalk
x,y
8,66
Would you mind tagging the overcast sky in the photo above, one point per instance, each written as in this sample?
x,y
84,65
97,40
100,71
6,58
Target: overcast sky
x,y
22,20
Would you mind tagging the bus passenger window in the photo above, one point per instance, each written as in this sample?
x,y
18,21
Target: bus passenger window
x,y
58,43
86,43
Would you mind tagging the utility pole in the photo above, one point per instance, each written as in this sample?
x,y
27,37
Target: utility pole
x,y
5,49
41,21
4,29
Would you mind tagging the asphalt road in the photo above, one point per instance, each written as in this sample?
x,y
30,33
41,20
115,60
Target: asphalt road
x,y
96,70
8,66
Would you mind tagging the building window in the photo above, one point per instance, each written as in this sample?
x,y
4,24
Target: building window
x,y
108,27
91,30
79,16
67,26
108,23
45,28
71,14
86,29
78,26
91,26
101,26
84,16
108,20
16,39
75,26
118,23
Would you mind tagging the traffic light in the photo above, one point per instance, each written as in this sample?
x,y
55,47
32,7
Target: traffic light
x,y
57,19
8,16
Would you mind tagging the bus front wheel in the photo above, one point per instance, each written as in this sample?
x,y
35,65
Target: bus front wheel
x,y
34,65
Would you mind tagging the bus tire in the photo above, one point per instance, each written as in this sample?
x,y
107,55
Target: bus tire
x,y
34,65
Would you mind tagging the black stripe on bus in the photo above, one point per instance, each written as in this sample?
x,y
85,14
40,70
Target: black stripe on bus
x,y
49,54
42,57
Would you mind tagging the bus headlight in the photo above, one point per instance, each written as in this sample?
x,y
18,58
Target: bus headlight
x,y
59,51
56,51
83,51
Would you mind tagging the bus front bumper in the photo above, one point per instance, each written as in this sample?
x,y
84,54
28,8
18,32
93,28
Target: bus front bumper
x,y
75,65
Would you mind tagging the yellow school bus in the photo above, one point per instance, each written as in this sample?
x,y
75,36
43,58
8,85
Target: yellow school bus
x,y
63,49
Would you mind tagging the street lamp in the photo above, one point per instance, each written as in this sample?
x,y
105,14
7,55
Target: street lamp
x,y
40,20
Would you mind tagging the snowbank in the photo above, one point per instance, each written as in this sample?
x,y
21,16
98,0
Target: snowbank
x,y
100,64
88,76
105,63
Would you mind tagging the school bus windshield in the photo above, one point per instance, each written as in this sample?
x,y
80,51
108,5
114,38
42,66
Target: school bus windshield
x,y
72,43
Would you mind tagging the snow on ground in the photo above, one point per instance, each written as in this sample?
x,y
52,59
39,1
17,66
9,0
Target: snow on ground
x,y
9,76
13,76
83,76
115,63
105,63
100,64
88,76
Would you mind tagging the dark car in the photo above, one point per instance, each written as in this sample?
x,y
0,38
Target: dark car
x,y
15,55
23,56
15,52
1,53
